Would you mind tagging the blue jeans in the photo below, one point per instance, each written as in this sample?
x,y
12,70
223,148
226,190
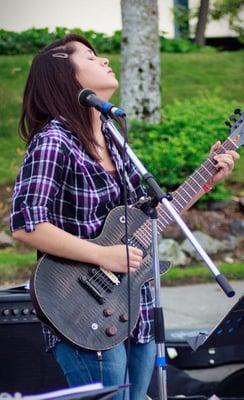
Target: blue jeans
x,y
82,367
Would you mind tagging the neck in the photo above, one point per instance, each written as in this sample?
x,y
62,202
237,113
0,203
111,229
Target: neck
x,y
96,120
96,126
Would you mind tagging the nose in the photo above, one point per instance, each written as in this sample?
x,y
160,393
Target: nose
x,y
105,61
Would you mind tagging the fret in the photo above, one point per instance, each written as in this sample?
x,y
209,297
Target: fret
x,y
178,193
234,144
140,235
146,228
165,221
161,225
191,177
175,200
201,176
203,166
211,162
166,218
211,166
187,183
182,188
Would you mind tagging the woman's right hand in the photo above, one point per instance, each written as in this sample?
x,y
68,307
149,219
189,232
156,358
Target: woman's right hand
x,y
114,258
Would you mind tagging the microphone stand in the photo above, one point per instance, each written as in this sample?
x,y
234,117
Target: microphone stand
x,y
164,198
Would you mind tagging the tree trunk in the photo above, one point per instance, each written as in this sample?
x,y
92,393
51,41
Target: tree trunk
x,y
202,22
140,59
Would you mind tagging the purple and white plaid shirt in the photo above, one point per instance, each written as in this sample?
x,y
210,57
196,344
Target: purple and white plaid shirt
x,y
60,183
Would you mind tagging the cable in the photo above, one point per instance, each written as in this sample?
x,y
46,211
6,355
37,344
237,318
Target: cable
x,y
123,125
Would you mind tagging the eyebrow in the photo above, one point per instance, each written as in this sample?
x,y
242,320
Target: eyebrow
x,y
90,51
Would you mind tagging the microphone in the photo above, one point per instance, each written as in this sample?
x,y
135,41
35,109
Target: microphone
x,y
88,98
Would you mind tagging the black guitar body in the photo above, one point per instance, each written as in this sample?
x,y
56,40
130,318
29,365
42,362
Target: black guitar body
x,y
80,302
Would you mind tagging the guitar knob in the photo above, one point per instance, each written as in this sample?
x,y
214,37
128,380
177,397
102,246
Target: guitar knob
x,y
233,118
107,312
111,331
228,123
237,111
123,317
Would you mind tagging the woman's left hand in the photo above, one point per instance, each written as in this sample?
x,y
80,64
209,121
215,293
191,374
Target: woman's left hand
x,y
225,163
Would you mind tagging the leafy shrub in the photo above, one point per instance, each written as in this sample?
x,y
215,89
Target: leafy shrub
x,y
174,149
177,45
31,40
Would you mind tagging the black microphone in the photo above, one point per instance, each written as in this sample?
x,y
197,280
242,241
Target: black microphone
x,y
88,98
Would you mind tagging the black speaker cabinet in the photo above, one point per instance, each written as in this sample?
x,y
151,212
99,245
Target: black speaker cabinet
x,y
25,367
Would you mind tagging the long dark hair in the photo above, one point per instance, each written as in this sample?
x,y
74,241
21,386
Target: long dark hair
x,y
51,92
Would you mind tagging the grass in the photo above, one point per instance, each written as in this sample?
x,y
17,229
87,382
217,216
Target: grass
x,y
200,273
15,266
194,74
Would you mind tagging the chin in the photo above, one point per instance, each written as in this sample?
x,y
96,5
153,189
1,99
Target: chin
x,y
108,92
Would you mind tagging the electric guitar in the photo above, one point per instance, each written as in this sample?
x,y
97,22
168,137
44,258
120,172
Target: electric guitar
x,y
87,305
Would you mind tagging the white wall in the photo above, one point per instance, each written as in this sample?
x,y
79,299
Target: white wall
x,y
214,28
99,15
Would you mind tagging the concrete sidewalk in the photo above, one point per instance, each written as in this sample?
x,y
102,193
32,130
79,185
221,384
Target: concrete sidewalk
x,y
197,306
200,306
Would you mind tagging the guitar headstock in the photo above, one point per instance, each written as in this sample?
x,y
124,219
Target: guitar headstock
x,y
237,127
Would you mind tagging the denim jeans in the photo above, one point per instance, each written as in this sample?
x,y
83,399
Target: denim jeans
x,y
82,367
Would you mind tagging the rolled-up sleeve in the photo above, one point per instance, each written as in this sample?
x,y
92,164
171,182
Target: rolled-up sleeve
x,y
37,184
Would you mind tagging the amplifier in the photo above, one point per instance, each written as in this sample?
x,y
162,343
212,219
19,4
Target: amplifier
x,y
25,365
16,308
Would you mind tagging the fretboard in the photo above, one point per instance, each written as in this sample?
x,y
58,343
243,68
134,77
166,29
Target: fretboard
x,y
184,195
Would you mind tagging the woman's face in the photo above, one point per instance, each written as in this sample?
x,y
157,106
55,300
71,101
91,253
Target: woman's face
x,y
93,72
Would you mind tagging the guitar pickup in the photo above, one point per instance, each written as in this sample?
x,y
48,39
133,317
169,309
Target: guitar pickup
x,y
135,243
91,289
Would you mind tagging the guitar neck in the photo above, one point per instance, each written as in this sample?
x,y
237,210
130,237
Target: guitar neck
x,y
184,195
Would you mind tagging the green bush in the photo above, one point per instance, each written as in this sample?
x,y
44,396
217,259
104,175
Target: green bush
x,y
174,149
177,45
31,40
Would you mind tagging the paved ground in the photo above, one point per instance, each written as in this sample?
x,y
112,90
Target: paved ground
x,y
197,307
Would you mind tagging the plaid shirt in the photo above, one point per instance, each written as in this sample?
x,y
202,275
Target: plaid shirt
x,y
60,183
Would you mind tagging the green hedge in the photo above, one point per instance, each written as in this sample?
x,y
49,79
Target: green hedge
x,y
173,149
31,40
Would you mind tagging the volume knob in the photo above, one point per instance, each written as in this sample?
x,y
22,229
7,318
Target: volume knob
x,y
123,317
107,312
111,331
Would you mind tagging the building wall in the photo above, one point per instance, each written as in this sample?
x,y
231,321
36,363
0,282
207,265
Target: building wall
x,y
214,28
99,15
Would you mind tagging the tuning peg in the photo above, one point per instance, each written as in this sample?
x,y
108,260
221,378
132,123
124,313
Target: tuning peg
x,y
233,118
228,123
237,111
